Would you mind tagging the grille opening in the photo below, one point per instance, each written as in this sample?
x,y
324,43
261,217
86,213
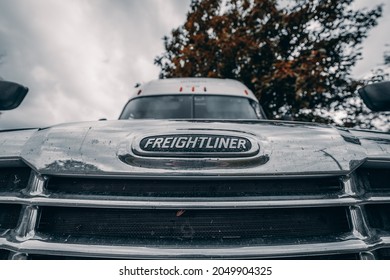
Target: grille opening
x,y
382,254
157,226
13,179
4,254
375,179
379,216
9,216
194,188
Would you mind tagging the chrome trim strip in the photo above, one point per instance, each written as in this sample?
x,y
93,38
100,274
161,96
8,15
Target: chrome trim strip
x,y
385,161
11,162
36,246
169,175
378,199
168,203
187,202
348,244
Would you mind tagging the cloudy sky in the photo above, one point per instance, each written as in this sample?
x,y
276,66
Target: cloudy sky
x,y
82,58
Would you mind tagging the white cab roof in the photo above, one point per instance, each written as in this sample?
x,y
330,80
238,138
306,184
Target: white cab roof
x,y
193,86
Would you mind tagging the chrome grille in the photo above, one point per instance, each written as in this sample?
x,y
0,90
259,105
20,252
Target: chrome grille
x,y
343,218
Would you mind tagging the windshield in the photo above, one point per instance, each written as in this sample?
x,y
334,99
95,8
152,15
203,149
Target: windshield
x,y
191,107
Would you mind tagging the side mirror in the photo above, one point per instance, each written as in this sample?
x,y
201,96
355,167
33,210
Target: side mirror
x,y
11,95
376,96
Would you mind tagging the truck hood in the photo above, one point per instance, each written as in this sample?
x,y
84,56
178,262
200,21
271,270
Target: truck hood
x,y
107,148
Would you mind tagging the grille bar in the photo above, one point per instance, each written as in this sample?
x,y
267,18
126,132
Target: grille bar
x,y
212,203
354,256
345,245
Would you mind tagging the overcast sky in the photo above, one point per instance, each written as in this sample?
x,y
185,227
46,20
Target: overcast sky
x,y
82,58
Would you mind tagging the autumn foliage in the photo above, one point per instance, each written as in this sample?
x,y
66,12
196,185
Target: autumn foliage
x,y
296,56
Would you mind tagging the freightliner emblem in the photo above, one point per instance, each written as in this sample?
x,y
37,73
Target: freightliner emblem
x,y
197,145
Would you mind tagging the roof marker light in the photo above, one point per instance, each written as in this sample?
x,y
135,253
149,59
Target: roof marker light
x,y
139,92
181,89
204,89
246,92
193,89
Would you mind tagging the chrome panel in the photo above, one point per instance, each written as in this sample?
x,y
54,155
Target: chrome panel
x,y
293,148
93,148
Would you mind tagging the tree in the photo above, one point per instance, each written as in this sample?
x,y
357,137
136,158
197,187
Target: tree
x,y
296,56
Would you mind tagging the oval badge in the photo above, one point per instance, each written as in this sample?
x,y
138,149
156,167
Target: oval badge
x,y
196,145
